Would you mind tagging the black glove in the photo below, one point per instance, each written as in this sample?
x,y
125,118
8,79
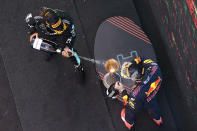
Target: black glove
x,y
31,23
111,92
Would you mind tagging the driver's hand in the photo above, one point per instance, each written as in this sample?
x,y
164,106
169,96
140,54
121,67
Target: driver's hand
x,y
67,52
119,86
33,35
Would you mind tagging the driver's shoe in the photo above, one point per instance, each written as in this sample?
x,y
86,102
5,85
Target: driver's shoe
x,y
159,121
79,68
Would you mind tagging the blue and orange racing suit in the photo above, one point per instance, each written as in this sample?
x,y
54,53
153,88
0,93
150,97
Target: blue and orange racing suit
x,y
144,93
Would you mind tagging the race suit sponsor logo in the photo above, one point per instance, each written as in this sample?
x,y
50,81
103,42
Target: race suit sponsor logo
x,y
148,61
155,91
153,86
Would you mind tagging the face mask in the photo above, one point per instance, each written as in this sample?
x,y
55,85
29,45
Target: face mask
x,y
134,76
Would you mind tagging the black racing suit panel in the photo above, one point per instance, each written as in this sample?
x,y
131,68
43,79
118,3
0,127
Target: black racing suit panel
x,y
37,24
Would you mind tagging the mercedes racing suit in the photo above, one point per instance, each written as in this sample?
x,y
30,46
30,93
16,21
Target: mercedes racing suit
x,y
66,39
144,94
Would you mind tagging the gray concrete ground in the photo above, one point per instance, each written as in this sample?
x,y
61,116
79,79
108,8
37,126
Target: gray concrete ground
x,y
47,96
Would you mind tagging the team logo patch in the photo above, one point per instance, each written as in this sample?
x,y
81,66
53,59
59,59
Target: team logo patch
x,y
153,86
148,61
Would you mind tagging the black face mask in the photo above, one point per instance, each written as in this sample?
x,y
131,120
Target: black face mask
x,y
134,71
134,75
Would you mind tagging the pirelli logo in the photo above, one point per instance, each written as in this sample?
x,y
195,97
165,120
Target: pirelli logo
x,y
148,61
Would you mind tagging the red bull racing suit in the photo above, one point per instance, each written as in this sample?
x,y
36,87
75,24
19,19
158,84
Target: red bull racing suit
x,y
144,94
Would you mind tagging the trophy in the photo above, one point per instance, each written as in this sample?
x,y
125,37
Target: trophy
x,y
111,66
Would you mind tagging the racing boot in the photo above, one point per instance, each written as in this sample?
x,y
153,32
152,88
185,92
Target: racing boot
x,y
79,68
80,74
159,121
128,125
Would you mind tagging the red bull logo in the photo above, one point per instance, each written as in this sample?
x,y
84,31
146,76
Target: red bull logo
x,y
125,97
153,86
137,60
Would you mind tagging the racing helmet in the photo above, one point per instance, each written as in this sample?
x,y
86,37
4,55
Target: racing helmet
x,y
131,71
54,22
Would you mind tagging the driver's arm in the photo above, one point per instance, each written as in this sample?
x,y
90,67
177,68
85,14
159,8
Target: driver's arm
x,y
32,23
67,52
33,35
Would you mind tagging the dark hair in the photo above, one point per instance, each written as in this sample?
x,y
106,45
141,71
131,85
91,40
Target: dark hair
x,y
51,17
43,11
